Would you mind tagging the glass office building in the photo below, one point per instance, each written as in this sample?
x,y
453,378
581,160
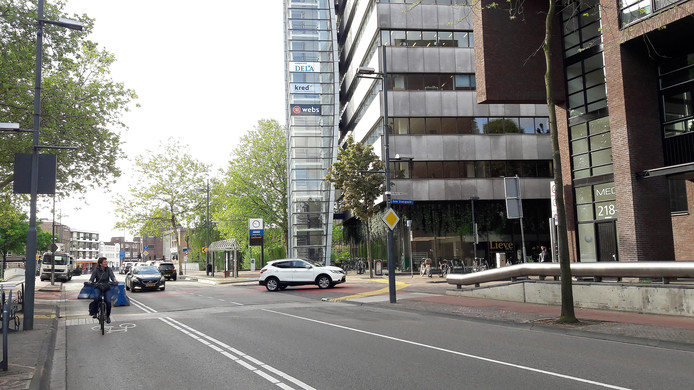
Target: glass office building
x,y
311,84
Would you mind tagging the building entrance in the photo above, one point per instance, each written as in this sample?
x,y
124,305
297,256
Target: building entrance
x,y
607,241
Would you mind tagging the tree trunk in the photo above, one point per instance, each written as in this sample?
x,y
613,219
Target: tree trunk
x,y
176,240
567,302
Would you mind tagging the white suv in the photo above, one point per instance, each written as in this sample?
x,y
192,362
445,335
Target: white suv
x,y
279,274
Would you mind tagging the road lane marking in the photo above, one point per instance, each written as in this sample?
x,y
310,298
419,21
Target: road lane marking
x,y
398,286
250,363
467,355
142,306
222,347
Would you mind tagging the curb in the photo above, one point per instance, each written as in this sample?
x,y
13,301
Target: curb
x,y
44,365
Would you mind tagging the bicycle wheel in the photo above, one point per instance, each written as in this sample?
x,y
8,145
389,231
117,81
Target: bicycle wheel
x,y
102,315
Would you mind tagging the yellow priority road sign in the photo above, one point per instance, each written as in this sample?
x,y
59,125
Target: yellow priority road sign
x,y
391,219
204,249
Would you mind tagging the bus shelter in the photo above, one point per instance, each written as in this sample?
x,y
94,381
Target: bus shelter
x,y
230,250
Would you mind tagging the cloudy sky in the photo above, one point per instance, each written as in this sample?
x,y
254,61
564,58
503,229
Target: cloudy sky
x,y
205,72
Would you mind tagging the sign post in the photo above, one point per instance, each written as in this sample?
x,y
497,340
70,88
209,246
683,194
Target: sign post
x,y
514,206
255,236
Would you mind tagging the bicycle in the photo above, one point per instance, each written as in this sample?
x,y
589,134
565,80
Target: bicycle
x,y
101,313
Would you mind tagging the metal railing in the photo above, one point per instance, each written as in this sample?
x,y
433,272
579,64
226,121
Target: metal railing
x,y
667,270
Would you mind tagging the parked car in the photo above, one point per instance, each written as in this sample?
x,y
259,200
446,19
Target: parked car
x,y
279,274
144,278
126,267
167,270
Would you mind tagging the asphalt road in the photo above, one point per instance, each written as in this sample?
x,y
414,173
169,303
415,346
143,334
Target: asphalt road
x,y
199,336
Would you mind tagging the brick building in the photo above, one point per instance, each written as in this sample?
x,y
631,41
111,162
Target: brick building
x,y
624,80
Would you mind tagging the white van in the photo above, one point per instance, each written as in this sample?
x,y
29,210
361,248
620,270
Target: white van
x,y
64,265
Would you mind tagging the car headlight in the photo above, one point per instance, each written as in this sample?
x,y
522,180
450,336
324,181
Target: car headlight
x,y
335,271
136,279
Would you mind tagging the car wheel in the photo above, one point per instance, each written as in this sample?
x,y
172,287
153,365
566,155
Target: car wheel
x,y
162,288
324,281
272,284
175,277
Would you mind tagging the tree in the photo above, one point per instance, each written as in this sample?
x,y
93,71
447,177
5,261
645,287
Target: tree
x,y
163,192
355,174
567,301
13,231
80,102
255,186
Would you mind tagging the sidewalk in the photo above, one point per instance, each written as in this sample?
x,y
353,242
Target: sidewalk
x,y
30,351
430,295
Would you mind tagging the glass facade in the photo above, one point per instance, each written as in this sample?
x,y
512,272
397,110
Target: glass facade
x,y
312,124
589,132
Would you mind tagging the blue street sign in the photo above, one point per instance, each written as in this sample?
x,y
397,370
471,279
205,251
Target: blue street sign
x,y
256,232
146,247
185,250
122,254
401,201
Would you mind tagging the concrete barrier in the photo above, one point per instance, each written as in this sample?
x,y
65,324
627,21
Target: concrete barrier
x,y
648,298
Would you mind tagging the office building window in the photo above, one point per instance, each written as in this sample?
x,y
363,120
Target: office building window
x,y
427,38
469,125
591,148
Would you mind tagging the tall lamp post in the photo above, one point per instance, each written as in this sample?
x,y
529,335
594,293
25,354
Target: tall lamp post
x,y
366,72
474,230
30,277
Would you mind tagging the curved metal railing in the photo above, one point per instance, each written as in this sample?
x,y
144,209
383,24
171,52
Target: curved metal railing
x,y
632,269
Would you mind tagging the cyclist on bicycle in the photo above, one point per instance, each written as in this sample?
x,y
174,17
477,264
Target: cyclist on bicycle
x,y
101,275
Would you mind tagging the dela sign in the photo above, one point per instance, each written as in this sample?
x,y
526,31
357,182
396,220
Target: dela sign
x,y
304,67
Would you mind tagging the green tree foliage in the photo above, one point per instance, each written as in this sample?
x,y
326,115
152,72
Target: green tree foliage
x,y
164,192
255,186
13,230
360,188
80,103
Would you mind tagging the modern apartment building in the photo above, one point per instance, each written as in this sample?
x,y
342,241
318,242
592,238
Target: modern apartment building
x,y
84,245
625,117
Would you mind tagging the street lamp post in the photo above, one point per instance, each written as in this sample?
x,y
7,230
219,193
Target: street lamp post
x,y
365,72
30,277
474,230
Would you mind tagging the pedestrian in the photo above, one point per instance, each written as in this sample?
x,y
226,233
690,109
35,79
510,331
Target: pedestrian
x,y
544,255
428,267
422,268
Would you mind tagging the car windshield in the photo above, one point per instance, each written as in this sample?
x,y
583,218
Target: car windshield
x,y
167,267
145,270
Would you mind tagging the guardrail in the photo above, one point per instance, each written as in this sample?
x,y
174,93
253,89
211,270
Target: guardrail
x,y
667,270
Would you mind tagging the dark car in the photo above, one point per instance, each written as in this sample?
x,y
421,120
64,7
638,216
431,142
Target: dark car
x,y
168,270
144,278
